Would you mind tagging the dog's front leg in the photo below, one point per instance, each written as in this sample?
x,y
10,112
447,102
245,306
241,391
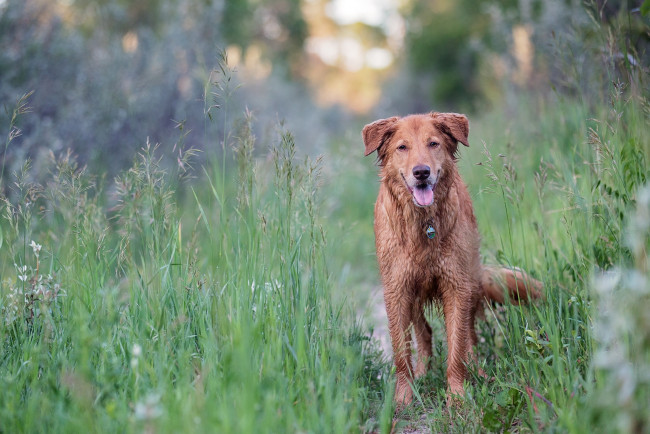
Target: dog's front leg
x,y
398,309
457,308
422,331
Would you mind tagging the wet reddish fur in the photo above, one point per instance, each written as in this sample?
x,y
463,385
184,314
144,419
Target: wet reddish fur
x,y
416,270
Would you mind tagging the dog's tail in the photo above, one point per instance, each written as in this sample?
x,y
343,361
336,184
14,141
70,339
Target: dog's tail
x,y
521,288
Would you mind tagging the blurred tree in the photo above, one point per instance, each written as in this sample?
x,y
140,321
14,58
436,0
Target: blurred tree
x,y
445,40
110,75
277,26
120,15
90,64
453,44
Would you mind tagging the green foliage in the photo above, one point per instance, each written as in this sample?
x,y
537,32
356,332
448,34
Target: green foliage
x,y
620,398
645,8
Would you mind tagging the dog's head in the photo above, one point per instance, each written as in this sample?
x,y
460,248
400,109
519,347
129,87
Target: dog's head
x,y
418,150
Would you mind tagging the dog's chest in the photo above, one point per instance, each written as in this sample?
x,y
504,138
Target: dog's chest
x,y
408,257
428,265
409,254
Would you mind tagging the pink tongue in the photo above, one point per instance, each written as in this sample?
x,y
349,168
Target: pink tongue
x,y
423,196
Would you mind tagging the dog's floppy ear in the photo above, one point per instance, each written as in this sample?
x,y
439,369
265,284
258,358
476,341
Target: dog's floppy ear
x,y
454,124
376,133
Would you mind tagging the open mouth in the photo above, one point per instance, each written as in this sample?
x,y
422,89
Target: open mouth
x,y
422,192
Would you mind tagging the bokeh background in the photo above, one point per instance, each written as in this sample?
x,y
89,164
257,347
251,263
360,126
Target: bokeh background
x,y
107,74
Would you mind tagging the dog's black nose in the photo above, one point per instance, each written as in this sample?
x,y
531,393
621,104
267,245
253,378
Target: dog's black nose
x,y
421,172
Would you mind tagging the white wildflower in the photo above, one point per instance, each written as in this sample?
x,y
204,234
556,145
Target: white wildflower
x,y
136,352
149,409
35,247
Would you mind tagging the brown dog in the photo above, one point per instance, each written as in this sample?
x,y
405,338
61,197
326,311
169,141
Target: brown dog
x,y
428,243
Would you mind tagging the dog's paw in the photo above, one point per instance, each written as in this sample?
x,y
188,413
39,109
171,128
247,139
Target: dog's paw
x,y
403,395
455,396
455,401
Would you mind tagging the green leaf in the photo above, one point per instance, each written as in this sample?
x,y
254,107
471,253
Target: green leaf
x,y
515,396
502,399
645,8
491,420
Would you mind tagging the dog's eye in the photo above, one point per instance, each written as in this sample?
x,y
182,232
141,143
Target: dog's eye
x,y
402,147
433,144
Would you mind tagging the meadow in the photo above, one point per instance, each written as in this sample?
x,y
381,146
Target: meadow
x,y
229,295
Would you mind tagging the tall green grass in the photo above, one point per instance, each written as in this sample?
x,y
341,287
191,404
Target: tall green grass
x,y
559,210
128,305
